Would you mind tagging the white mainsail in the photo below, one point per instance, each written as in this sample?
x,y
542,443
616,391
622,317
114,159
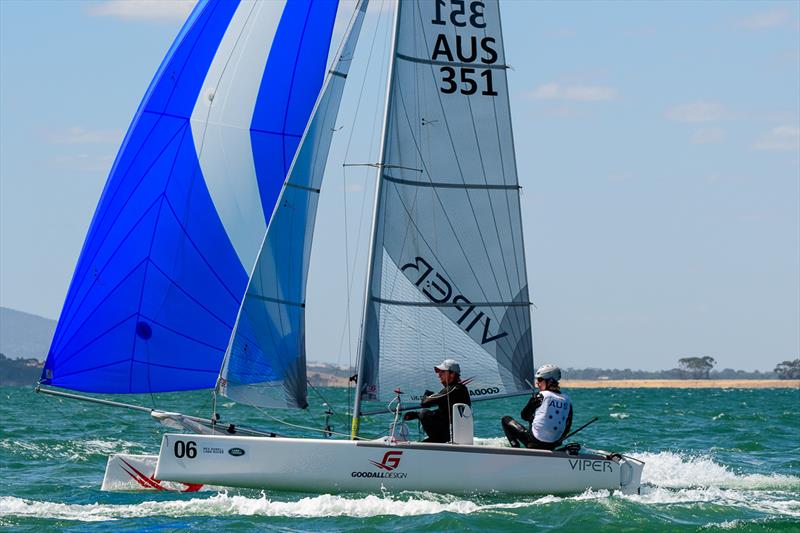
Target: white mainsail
x,y
447,275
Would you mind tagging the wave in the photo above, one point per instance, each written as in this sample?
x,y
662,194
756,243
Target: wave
x,y
673,470
697,480
492,441
325,505
73,450
754,500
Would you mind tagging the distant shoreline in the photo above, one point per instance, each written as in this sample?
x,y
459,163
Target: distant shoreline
x,y
680,383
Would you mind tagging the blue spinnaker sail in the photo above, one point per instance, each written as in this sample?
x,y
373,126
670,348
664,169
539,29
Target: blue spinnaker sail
x,y
166,260
265,364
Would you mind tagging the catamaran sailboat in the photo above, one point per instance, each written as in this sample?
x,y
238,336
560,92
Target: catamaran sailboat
x,y
194,271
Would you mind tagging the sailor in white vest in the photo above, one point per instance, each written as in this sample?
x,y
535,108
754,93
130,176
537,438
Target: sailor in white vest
x,y
549,413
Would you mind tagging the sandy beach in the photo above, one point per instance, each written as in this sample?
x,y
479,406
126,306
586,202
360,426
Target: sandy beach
x,y
681,383
327,380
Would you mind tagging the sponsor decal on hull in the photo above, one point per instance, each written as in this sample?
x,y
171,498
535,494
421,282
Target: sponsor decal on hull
x,y
388,465
584,465
150,482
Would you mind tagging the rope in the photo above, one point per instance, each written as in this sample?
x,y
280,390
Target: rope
x,y
321,397
307,428
58,408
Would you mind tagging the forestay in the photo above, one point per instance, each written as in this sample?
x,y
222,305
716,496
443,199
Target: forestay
x,y
265,363
447,277
164,266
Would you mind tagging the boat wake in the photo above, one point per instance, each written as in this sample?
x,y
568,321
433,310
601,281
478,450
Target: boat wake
x,y
673,479
222,504
673,470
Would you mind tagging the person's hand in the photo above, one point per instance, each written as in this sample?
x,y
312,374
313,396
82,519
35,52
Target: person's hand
x,y
411,415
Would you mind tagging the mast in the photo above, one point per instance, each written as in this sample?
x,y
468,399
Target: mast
x,y
378,187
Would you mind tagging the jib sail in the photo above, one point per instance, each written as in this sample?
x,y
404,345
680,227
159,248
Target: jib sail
x,y
265,363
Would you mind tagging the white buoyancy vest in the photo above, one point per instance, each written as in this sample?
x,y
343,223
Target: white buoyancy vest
x,y
550,418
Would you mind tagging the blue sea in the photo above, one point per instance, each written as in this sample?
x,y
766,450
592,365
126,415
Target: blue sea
x,y
716,459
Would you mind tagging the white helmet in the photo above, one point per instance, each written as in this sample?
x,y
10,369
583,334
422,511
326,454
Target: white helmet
x,y
549,372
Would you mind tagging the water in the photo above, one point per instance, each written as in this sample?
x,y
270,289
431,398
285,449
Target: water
x,y
716,460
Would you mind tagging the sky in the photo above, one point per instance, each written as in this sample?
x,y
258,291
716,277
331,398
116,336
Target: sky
x,y
658,147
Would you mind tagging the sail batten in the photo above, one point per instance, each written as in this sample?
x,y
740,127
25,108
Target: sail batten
x,y
448,185
459,64
450,304
447,275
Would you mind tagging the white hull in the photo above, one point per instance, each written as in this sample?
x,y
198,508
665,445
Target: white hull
x,y
338,465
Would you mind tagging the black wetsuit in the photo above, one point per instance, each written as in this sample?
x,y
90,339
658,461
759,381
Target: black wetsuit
x,y
436,423
517,434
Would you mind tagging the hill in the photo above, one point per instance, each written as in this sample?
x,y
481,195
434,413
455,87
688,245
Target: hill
x,y
23,335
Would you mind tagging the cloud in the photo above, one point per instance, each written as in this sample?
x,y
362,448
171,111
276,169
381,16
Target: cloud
x,y
782,138
575,93
763,20
697,112
79,135
708,136
154,10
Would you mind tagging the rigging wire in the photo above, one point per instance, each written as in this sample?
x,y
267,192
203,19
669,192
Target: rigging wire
x,y
321,397
307,428
350,272
57,403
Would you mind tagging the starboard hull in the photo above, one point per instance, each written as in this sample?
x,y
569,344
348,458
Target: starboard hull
x,y
128,473
363,466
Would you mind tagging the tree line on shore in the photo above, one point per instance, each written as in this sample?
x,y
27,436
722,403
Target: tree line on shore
x,y
19,371
15,372
688,368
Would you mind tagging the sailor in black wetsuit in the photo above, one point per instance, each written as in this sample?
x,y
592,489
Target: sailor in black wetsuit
x,y
436,423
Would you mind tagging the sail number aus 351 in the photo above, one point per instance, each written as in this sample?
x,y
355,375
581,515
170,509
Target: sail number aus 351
x,y
465,49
